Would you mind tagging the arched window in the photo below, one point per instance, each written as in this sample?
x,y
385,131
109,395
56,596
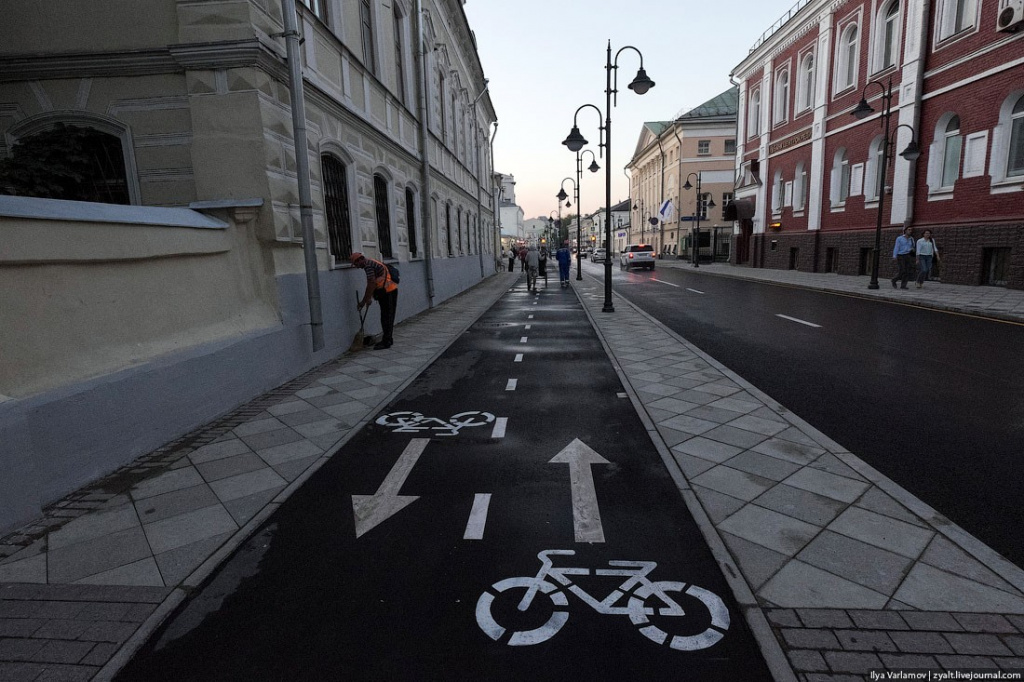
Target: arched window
x,y
800,187
781,100
75,162
383,214
840,189
367,36
874,176
754,115
410,221
336,206
399,53
805,84
846,58
888,35
778,192
448,227
1015,153
952,144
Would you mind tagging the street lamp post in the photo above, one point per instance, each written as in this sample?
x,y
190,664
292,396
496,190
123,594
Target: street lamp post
x,y
593,168
640,85
562,196
911,153
696,229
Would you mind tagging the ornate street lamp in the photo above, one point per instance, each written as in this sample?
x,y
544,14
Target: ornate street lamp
x,y
575,141
697,214
911,153
593,168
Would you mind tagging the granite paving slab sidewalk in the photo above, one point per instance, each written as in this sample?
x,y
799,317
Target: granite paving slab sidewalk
x,y
847,571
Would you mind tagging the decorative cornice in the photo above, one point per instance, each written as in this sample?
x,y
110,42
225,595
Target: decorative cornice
x,y
122,64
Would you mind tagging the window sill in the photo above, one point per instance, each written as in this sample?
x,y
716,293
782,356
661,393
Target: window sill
x,y
838,208
941,194
1008,186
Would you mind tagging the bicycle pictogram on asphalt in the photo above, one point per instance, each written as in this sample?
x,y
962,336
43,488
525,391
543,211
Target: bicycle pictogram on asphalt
x,y
645,599
416,422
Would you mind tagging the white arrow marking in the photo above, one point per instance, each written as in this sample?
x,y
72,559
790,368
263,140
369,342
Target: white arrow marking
x,y
586,516
372,510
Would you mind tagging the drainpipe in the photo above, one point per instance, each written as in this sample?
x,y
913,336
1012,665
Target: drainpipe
x,y
494,191
662,201
291,36
424,83
479,187
919,90
679,185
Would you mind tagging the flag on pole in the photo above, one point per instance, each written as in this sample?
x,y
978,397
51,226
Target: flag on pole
x,y
666,211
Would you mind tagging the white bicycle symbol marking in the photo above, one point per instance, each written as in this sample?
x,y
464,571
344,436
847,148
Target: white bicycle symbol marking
x,y
636,586
414,422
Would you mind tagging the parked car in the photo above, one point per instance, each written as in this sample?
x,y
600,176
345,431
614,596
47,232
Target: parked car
x,y
599,256
637,256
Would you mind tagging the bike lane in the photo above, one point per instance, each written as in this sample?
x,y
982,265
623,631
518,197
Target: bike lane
x,y
505,517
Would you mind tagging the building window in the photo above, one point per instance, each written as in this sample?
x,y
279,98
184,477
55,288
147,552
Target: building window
x,y
781,100
410,221
800,187
339,217
1015,157
875,175
889,35
702,205
380,197
952,144
846,59
399,56
730,146
448,227
366,29
805,85
458,228
754,115
778,189
318,8
840,178
726,200
956,16
70,162
703,147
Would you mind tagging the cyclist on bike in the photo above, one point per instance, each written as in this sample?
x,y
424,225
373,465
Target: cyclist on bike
x,y
532,267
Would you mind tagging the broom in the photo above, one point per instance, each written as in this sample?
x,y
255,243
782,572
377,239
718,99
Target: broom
x,y
359,342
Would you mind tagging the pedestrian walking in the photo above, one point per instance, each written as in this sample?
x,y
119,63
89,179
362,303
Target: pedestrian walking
x,y
382,288
522,259
532,262
511,258
927,252
564,259
542,268
903,254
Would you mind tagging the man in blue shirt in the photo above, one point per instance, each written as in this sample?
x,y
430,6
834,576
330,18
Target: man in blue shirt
x,y
903,254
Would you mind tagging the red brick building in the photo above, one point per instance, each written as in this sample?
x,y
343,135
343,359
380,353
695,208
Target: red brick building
x,y
947,74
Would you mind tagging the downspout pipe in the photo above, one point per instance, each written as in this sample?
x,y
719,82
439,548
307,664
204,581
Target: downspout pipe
x,y
679,184
494,191
428,228
291,36
479,185
661,221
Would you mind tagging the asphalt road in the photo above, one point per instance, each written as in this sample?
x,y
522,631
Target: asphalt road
x,y
407,556
931,399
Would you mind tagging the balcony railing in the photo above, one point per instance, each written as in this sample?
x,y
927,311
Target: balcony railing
x,y
780,23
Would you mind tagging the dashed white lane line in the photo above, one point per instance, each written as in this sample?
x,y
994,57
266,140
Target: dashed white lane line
x,y
664,282
500,424
696,291
511,385
528,327
530,317
519,357
794,319
523,339
478,517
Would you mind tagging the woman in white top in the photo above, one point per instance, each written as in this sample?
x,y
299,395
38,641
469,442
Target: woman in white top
x,y
927,250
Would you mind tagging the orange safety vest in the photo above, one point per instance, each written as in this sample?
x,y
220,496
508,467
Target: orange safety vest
x,y
385,281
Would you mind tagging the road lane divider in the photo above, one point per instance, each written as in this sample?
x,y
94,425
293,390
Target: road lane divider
x,y
477,517
798,320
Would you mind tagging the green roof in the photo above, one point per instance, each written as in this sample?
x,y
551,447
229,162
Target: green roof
x,y
725,104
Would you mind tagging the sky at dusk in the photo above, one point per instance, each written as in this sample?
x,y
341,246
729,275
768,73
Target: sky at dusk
x,y
546,58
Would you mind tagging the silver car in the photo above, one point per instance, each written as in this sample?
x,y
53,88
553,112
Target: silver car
x,y
599,256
